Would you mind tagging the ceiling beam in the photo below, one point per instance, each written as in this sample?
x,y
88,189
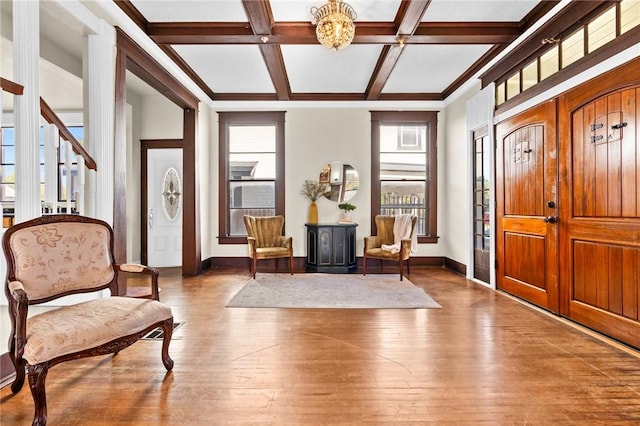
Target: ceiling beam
x,y
261,21
305,33
407,20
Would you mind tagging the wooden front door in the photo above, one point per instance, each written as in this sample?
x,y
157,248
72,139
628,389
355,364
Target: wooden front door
x,y
600,242
526,211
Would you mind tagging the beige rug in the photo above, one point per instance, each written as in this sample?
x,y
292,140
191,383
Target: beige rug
x,y
331,291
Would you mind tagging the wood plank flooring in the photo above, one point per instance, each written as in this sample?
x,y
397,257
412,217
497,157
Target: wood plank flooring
x,y
484,358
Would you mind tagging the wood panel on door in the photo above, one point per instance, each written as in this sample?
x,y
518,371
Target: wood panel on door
x,y
526,213
600,242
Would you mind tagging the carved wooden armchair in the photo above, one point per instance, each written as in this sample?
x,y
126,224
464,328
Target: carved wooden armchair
x,y
264,235
373,245
58,255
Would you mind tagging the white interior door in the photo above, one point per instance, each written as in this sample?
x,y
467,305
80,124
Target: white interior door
x,y
164,201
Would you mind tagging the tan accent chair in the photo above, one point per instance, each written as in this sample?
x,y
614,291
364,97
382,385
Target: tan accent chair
x,y
373,244
265,239
59,255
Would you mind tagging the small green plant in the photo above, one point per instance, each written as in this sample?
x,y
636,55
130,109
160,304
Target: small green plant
x,y
346,207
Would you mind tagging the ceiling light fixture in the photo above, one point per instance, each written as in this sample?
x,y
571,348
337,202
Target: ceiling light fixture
x,y
334,24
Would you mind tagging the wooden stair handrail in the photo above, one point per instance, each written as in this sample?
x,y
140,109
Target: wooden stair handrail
x,y
11,87
52,118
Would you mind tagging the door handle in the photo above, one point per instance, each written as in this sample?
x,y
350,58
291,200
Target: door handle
x,y
550,219
150,218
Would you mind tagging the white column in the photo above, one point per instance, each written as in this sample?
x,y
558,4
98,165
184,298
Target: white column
x,y
99,87
51,143
26,53
80,206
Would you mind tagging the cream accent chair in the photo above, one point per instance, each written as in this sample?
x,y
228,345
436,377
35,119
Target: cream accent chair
x,y
265,239
59,255
373,244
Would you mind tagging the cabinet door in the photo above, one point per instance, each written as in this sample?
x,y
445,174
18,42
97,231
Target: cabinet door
x,y
325,246
340,246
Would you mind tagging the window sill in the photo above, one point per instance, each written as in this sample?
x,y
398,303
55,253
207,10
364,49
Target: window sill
x,y
232,240
428,240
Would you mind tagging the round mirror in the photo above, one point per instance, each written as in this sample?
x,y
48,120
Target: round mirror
x,y
342,179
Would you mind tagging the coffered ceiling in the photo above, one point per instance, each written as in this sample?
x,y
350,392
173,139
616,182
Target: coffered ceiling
x,y
267,49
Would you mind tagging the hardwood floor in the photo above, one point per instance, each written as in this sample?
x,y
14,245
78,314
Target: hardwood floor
x,y
484,358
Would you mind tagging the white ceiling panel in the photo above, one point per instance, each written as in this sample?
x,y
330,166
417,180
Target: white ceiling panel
x,y
367,10
191,10
228,68
431,68
316,69
478,10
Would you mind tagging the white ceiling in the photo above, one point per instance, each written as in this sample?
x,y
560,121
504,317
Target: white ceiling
x,y
242,69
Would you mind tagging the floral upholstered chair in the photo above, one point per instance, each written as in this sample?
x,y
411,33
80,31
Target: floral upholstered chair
x,y
265,239
59,255
392,242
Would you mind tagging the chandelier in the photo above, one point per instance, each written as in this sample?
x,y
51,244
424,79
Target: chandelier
x,y
334,24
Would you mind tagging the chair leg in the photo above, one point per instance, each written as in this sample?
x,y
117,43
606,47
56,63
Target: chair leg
x,y
364,265
37,377
167,328
20,374
254,268
408,268
291,263
401,271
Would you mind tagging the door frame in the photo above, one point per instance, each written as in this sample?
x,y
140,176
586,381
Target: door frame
x,y
145,146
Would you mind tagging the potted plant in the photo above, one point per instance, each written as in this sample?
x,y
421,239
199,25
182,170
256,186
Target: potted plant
x,y
312,189
346,209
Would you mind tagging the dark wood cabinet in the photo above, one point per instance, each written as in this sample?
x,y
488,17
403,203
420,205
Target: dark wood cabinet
x,y
331,248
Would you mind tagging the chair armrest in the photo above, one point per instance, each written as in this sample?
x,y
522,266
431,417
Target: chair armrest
x,y
405,249
372,242
19,313
286,242
142,269
252,245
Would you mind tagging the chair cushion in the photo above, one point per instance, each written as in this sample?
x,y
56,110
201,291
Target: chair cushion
x,y
86,325
269,252
378,253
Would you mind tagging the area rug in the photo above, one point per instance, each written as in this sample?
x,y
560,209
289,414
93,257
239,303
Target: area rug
x,y
331,291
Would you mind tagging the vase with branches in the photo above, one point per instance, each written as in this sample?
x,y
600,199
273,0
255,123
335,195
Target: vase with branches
x,y
312,190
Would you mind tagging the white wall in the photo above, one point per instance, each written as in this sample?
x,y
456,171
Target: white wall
x,y
315,136
455,193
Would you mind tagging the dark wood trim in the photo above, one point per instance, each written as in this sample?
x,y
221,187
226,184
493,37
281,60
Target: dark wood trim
x,y
140,63
299,263
11,87
145,146
431,181
175,57
51,118
120,168
455,266
261,20
191,247
225,119
172,33
407,20
133,13
470,72
386,62
621,43
144,66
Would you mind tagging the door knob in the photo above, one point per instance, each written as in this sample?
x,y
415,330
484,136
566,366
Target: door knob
x,y
550,219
